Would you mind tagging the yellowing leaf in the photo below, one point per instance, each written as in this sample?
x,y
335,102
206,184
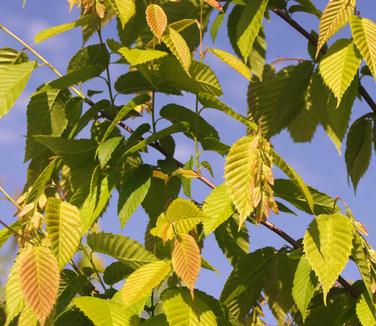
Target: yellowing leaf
x,y
156,19
142,281
179,48
181,217
249,178
186,260
27,318
327,244
13,293
339,66
39,277
364,34
125,9
334,17
137,56
234,62
64,229
215,4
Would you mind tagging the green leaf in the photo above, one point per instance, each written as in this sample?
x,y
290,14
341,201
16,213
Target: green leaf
x,y
290,191
138,56
233,62
106,149
335,15
363,31
53,31
218,208
64,229
13,80
265,96
124,111
45,116
182,310
179,48
133,193
305,6
358,149
5,233
142,281
197,125
125,9
181,217
294,177
14,297
244,285
339,66
233,243
176,128
120,247
366,311
209,101
102,312
9,56
115,272
40,184
304,286
159,320
327,244
249,25
95,54
334,120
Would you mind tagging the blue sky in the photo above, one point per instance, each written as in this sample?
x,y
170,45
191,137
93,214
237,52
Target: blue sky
x,y
318,162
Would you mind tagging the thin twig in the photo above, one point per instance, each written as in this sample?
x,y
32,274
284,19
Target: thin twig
x,y
95,268
10,198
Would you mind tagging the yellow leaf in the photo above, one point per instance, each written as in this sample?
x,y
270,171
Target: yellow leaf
x,y
215,4
334,17
142,281
39,277
186,260
13,293
156,19
364,34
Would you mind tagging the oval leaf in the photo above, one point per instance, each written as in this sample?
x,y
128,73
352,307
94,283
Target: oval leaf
x,y
156,19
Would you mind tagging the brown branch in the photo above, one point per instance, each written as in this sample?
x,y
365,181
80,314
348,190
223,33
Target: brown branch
x,y
313,40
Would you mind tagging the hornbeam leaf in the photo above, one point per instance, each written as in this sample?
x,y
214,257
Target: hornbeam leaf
x,y
339,66
64,229
156,19
182,310
102,312
366,311
39,275
133,193
14,298
179,48
53,31
120,247
13,81
218,208
336,14
327,244
9,56
249,25
125,9
142,281
181,217
234,62
27,318
139,56
358,149
364,34
186,260
6,233
304,286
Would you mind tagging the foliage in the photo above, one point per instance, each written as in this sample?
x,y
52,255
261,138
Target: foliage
x,y
160,49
